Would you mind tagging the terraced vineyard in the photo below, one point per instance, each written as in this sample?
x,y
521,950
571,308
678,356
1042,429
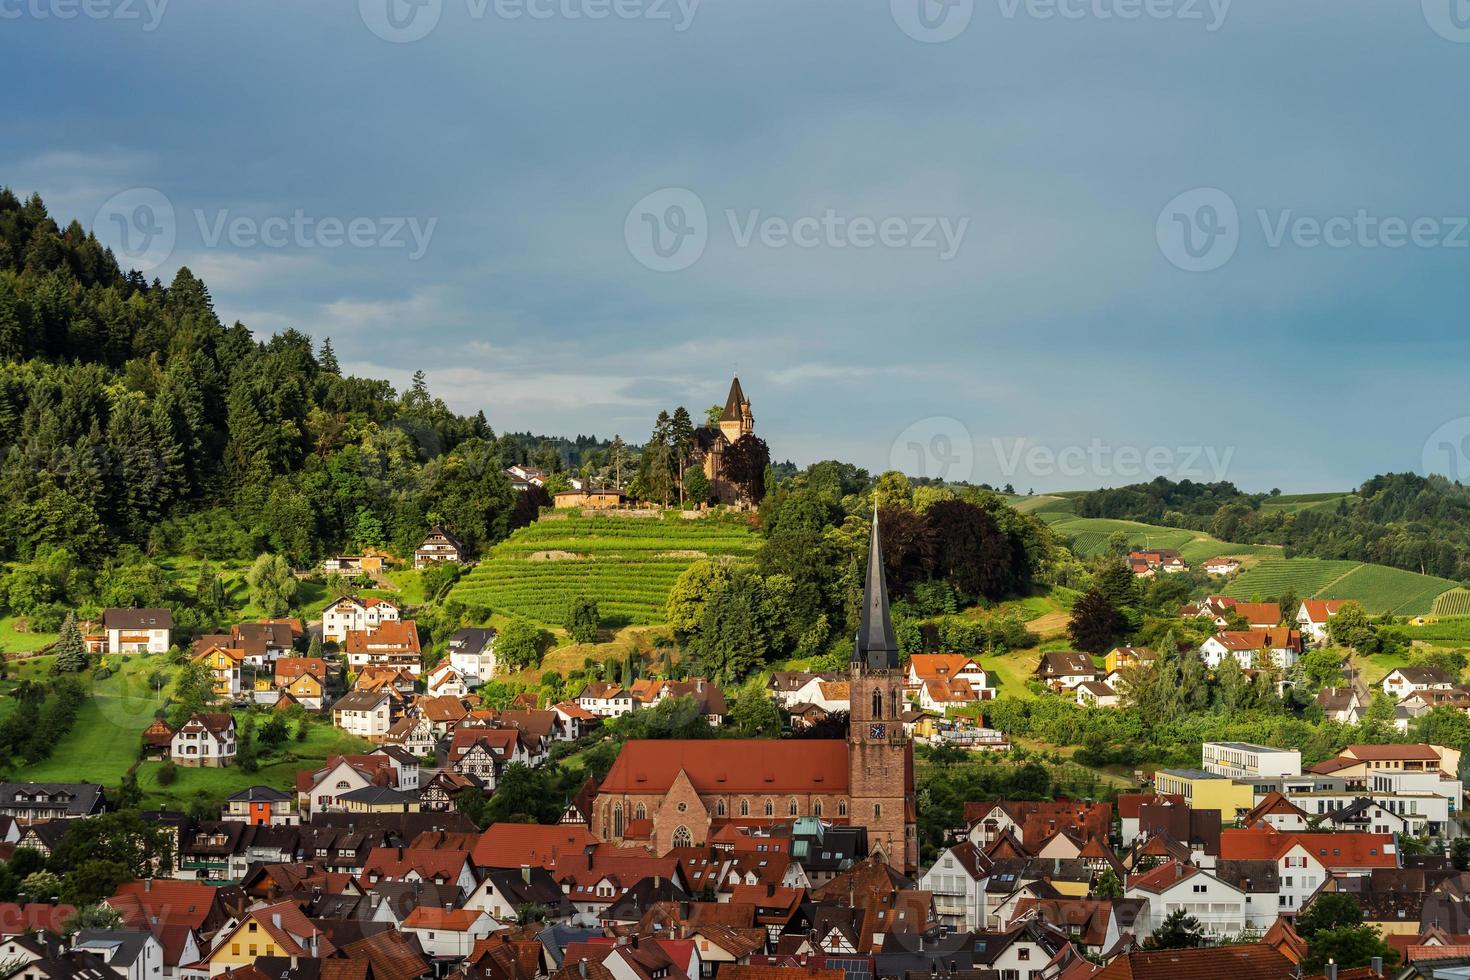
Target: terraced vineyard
x,y
1379,588
628,564
1089,535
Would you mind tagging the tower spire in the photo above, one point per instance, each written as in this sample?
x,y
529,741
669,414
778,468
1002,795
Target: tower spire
x,y
876,645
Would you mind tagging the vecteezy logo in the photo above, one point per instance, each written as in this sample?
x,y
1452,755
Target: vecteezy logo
x,y
936,448
1447,450
932,21
1199,230
667,231
138,224
1450,19
400,21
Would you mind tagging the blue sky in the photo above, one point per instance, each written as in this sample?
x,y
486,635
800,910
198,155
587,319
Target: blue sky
x,y
1063,144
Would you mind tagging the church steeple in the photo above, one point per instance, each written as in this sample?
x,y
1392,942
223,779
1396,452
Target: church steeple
x,y
876,646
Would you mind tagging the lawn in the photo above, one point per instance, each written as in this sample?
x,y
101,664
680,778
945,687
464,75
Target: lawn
x,y
278,769
103,742
13,640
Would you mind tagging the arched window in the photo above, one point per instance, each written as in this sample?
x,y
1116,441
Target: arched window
x,y
877,810
745,808
893,703
683,838
791,807
617,820
842,808
816,808
640,813
770,809
877,704
720,808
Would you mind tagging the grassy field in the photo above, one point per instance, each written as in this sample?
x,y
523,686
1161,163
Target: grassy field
x,y
628,564
13,640
103,742
1297,502
1379,588
1089,535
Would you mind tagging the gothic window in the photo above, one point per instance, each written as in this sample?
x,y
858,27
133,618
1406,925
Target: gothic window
x,y
842,808
817,808
770,809
893,703
720,808
877,810
791,807
641,813
877,704
617,820
683,838
745,808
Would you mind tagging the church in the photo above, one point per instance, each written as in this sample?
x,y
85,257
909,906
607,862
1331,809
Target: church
x,y
666,794
711,441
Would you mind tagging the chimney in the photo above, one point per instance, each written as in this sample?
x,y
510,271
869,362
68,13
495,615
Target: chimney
x,y
526,873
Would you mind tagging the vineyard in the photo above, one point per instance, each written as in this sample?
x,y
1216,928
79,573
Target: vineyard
x,y
1455,602
1089,535
628,564
1451,630
1378,588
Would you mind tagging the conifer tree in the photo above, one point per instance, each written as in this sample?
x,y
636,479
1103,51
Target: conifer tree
x,y
71,656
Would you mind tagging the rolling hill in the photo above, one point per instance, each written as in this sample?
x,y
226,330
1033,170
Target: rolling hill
x,y
1268,572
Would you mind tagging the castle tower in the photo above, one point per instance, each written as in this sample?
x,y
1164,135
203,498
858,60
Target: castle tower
x,y
736,420
880,754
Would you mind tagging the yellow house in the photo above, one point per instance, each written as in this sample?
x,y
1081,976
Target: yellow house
x,y
1120,658
273,930
224,663
1206,791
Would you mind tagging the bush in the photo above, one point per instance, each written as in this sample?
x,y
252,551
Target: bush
x,y
168,773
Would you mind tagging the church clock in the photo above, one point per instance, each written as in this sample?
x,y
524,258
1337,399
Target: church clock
x,y
878,732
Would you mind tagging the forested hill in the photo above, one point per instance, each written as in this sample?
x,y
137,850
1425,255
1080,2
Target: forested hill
x,y
1401,519
129,415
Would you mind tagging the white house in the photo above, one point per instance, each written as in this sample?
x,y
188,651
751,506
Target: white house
x,y
947,680
329,784
1064,671
957,878
472,653
368,714
133,954
445,680
1096,694
1246,760
138,630
207,739
1312,616
1223,565
1219,907
1400,682
607,700
352,613
1253,648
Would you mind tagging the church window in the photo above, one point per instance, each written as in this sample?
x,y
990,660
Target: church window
x,y
640,813
791,807
683,838
720,808
617,820
681,806
877,810
817,808
770,809
877,704
893,703
842,808
745,808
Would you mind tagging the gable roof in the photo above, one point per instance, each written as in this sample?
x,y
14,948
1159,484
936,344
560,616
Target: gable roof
x,y
1243,962
731,766
138,619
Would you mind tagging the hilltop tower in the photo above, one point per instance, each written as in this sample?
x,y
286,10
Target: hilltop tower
x,y
880,753
736,421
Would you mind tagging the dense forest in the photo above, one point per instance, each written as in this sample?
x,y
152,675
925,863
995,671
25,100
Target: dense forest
x,y
1421,523
130,416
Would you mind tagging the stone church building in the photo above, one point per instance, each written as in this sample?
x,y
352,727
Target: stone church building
x,y
711,441
666,794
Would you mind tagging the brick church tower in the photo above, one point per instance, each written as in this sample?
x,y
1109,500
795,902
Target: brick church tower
x,y
880,754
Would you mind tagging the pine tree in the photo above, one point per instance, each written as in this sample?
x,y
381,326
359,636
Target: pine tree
x,y
327,359
71,656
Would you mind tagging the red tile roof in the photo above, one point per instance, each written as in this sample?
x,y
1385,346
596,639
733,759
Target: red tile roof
x,y
1244,962
731,766
512,845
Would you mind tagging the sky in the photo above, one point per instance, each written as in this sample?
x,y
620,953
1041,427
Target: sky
x,y
1053,243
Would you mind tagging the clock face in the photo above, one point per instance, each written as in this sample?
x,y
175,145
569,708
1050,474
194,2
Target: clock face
x,y
878,731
